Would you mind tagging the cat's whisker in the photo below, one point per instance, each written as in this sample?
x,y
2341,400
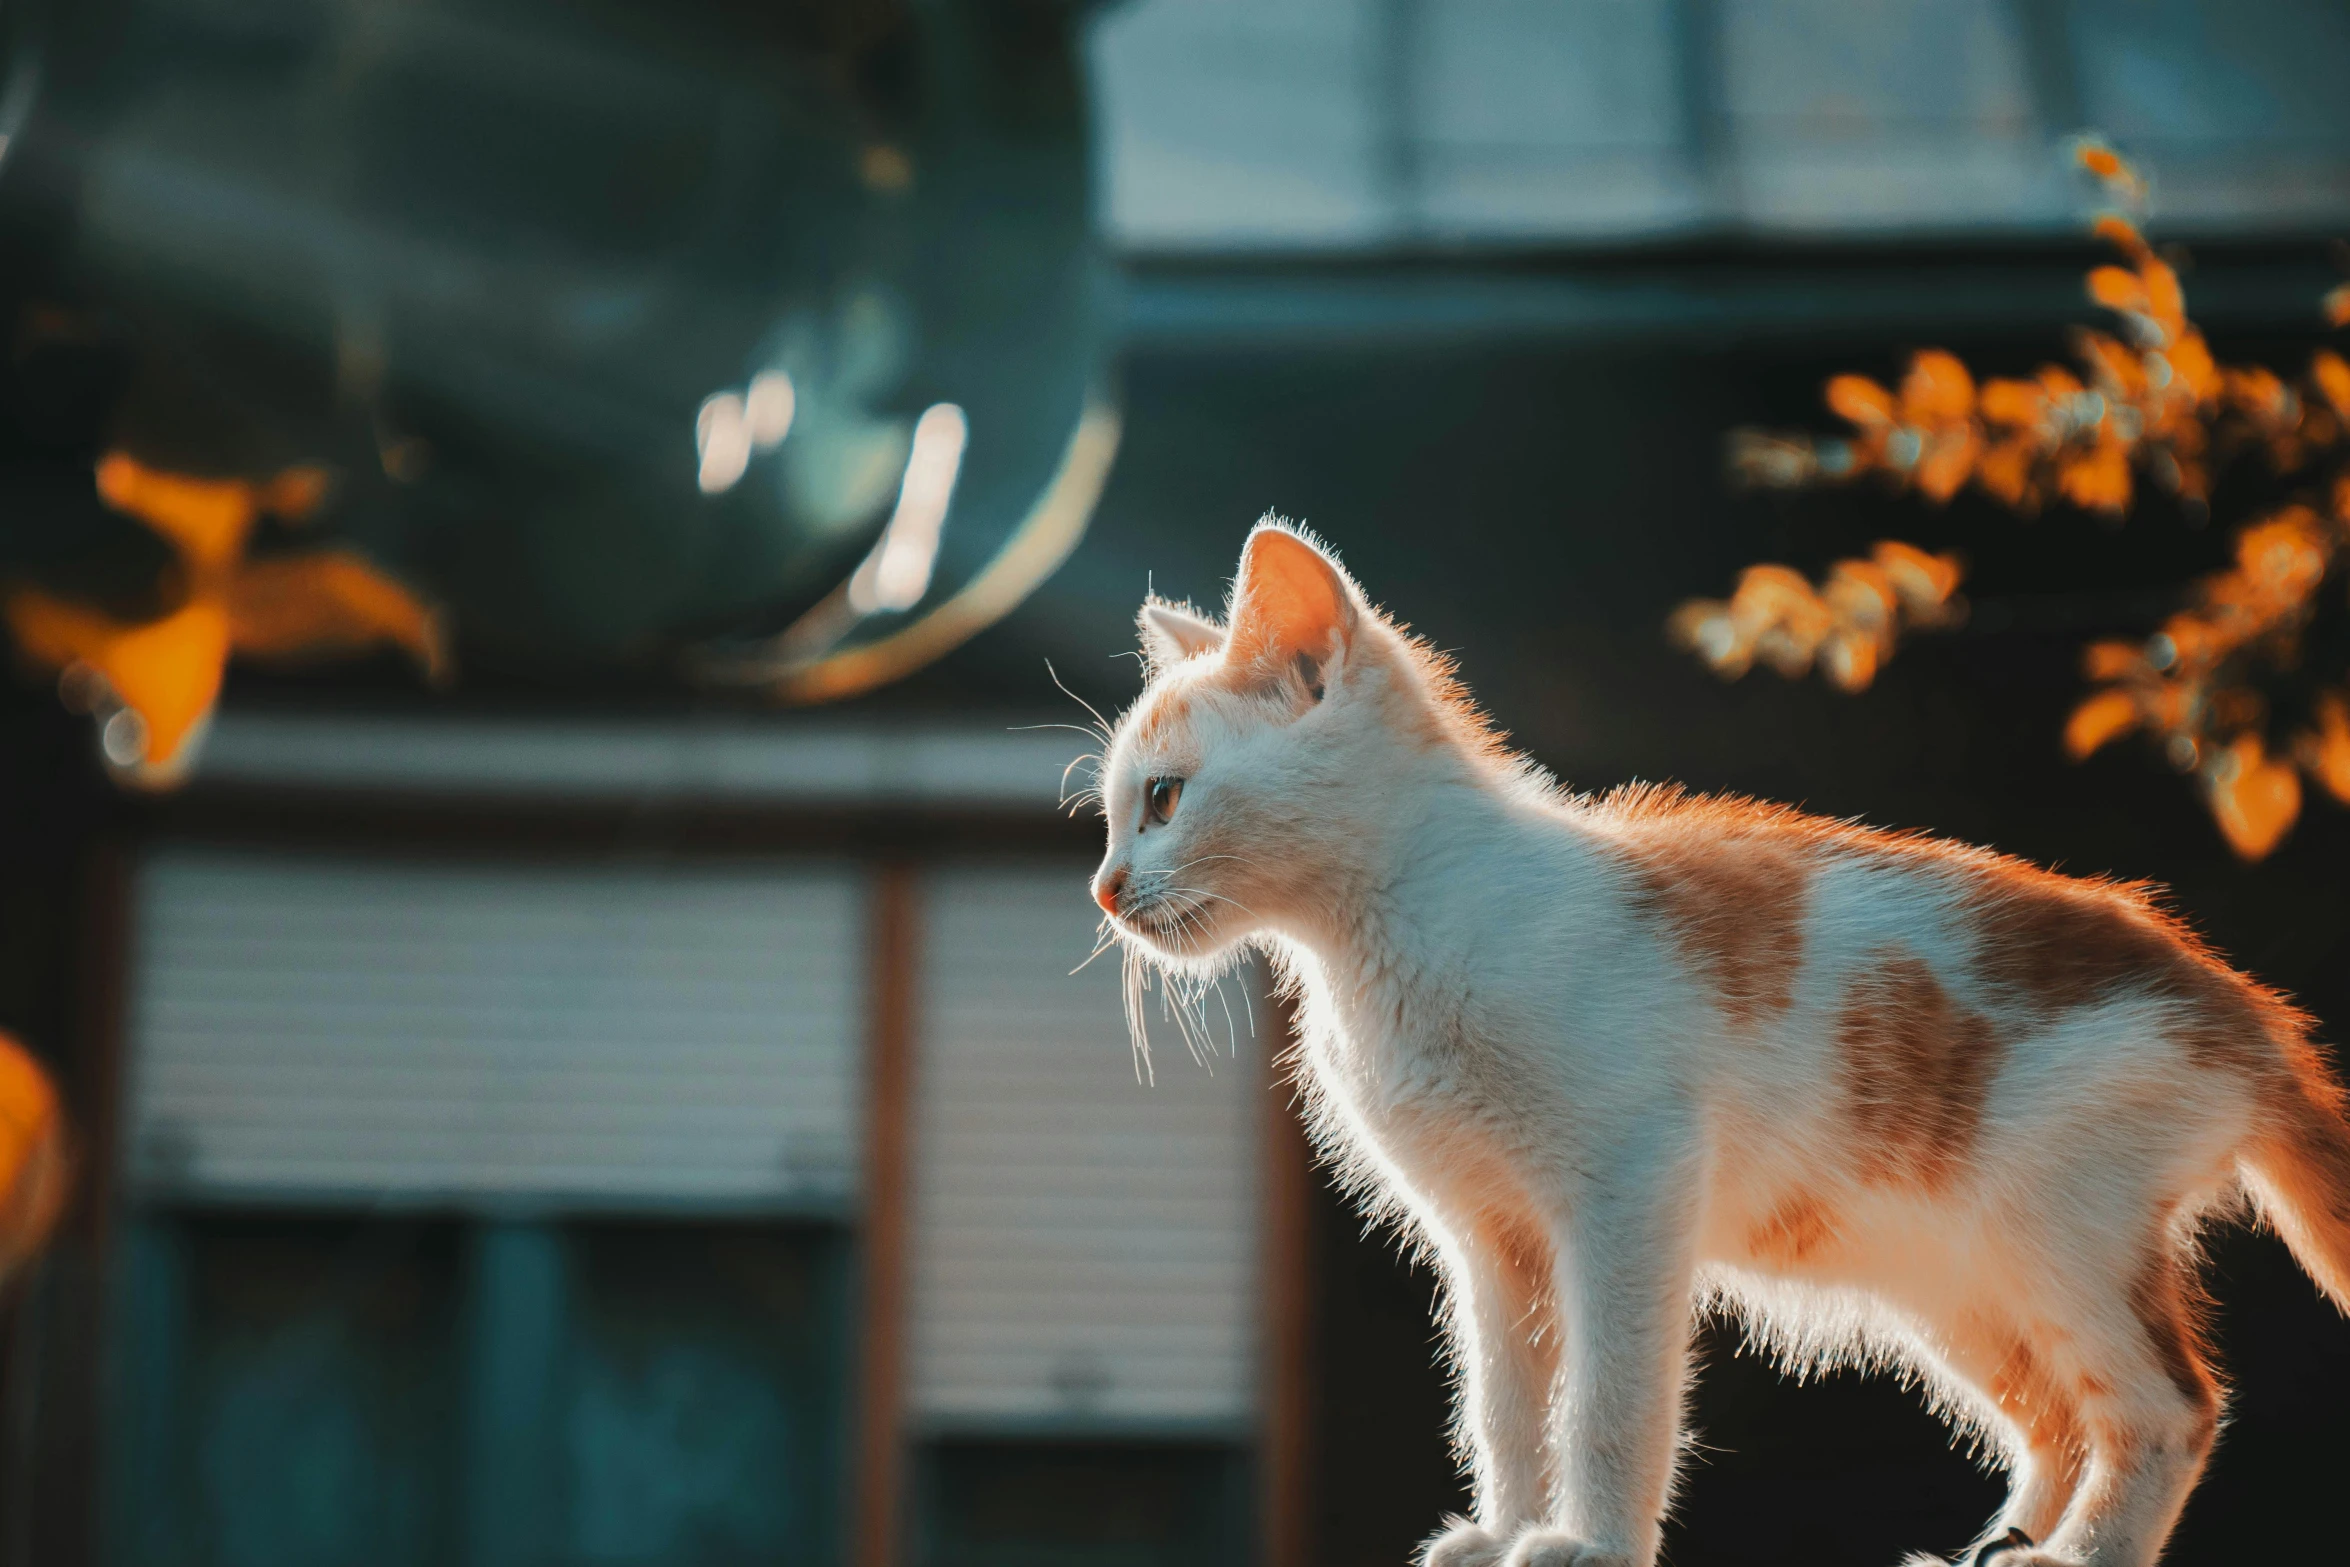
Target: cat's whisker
x,y
1188,1019
1131,979
1202,892
1107,940
1101,723
1231,1029
1202,859
1075,762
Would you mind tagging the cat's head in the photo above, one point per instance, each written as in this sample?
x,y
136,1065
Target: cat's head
x,y
1264,751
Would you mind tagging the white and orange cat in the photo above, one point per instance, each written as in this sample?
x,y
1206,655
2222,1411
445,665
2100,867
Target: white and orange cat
x,y
1894,1101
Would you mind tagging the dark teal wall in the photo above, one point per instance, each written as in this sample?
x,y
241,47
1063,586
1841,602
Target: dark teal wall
x,y
395,1392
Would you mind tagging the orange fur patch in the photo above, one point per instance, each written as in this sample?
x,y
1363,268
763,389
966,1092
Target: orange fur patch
x,y
1167,717
2031,1399
1796,1231
1522,1256
1734,905
2304,1159
2053,942
1915,1068
1520,1250
2319,1174
2057,944
2161,1301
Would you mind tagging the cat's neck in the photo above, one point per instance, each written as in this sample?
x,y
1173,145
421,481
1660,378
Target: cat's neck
x,y
1414,879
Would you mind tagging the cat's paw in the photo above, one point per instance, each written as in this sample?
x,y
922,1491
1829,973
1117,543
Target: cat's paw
x,y
2015,1549
1462,1544
1549,1548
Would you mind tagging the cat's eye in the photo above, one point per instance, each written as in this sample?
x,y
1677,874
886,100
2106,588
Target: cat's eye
x,y
1160,796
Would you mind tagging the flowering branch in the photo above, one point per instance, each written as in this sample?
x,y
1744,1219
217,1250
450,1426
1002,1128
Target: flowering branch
x,y
2148,403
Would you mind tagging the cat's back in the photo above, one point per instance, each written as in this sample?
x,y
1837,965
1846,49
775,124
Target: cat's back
x,y
1765,902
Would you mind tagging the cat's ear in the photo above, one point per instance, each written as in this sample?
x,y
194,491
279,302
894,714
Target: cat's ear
x,y
1291,608
1172,632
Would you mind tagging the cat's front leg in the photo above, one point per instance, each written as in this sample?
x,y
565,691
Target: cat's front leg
x,y
1625,1247
1497,1279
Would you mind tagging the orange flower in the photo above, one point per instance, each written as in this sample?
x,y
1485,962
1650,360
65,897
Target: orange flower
x,y
1705,627
206,518
1860,594
2013,402
2284,558
1922,582
2166,301
2108,165
2113,660
2191,362
2059,383
328,604
2121,371
2255,800
1787,617
1849,659
1847,627
1945,463
34,1172
2333,378
2260,393
165,673
2104,717
1937,390
2117,288
2120,233
2005,470
2156,400
1860,401
2097,479
2326,752
2192,641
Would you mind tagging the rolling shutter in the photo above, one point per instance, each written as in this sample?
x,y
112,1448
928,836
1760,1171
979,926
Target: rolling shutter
x,y
309,1029
1084,1244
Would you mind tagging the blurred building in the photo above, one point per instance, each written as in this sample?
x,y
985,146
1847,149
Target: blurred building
x,y
670,1141
601,1123
1305,126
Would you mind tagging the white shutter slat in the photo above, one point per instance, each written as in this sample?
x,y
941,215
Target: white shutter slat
x,y
1084,1245
326,1029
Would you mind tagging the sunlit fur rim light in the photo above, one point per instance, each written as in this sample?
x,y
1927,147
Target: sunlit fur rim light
x,y
1611,1061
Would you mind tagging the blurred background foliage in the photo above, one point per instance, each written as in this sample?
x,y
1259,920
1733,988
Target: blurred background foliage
x,y
2152,402
563,368
524,299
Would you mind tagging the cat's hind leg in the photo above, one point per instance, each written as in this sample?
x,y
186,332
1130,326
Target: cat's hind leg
x,y
2023,1391
2149,1410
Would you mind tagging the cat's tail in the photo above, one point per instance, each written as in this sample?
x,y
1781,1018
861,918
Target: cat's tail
x,y
2298,1168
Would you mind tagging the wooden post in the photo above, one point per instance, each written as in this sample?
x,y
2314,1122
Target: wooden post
x,y
64,1468
893,935
1285,1416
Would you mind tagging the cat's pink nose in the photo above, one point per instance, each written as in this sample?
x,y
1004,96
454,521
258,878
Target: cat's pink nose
x,y
1107,888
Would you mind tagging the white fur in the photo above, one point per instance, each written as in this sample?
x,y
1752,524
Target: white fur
x,y
1495,1043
